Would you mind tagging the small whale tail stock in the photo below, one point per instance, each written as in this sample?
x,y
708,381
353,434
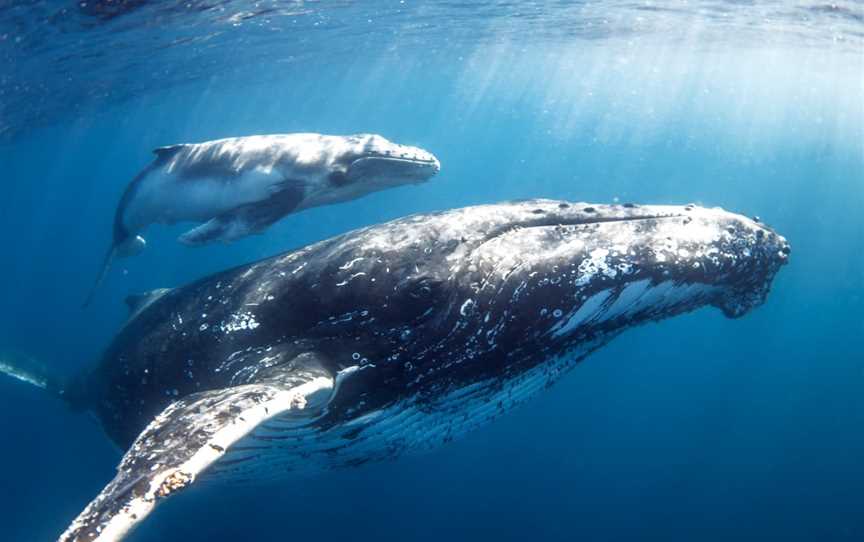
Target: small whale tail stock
x,y
131,246
100,278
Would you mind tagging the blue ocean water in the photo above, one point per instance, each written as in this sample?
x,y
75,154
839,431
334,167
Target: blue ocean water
x,y
696,428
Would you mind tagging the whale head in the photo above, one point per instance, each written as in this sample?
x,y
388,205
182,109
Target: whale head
x,y
539,276
556,272
369,162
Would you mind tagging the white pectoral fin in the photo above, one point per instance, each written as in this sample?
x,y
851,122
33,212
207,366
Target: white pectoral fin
x,y
183,441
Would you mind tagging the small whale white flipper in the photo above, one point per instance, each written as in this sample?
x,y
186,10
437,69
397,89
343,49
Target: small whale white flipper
x,y
184,440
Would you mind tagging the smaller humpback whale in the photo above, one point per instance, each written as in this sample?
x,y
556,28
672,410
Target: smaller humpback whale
x,y
389,339
239,186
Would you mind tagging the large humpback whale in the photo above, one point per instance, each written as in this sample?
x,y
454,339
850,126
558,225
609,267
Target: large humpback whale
x,y
392,338
239,186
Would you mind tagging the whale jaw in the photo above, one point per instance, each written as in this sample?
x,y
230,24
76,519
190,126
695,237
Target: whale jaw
x,y
394,170
375,161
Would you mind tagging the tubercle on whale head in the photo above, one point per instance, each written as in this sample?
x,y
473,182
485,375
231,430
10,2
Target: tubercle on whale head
x,y
760,252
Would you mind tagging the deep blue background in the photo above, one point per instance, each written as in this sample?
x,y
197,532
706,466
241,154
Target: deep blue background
x,y
698,428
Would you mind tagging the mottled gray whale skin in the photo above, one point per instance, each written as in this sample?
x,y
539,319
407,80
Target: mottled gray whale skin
x,y
393,338
239,186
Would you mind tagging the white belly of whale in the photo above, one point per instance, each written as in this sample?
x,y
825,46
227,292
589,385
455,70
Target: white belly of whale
x,y
167,199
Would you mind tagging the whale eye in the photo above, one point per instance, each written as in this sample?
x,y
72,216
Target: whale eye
x,y
421,291
416,298
424,288
338,178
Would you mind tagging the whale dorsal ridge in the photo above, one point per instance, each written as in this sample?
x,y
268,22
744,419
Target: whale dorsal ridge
x,y
168,151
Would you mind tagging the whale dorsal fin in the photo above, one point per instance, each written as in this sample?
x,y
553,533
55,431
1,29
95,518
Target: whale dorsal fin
x,y
139,302
189,436
168,150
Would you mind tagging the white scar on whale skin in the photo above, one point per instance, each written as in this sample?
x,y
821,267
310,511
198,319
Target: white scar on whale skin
x,y
593,265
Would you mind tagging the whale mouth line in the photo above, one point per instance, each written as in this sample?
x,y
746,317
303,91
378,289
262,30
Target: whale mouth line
x,y
395,160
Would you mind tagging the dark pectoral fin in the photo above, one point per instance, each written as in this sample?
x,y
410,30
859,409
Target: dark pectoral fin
x,y
284,198
187,438
249,218
215,229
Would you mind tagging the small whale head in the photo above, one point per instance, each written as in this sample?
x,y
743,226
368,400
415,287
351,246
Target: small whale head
x,y
369,162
